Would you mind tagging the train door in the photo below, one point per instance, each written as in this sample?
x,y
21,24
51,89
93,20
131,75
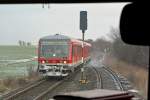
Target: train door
x,y
73,54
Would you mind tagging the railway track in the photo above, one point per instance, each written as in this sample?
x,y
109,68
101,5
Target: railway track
x,y
58,88
94,78
107,79
115,78
40,96
16,93
21,93
36,91
45,89
99,78
119,81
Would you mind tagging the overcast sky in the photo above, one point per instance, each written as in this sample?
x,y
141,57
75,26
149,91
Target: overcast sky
x,y
30,22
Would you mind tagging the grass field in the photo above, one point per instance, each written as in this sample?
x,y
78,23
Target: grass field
x,y
17,65
16,52
8,54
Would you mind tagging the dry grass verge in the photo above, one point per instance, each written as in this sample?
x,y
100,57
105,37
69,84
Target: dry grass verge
x,y
11,83
137,75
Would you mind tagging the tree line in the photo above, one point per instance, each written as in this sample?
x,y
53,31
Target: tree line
x,y
136,55
23,43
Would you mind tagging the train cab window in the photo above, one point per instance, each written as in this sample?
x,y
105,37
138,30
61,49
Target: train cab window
x,y
58,67
53,50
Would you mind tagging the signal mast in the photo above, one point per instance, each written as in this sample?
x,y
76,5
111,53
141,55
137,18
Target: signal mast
x,y
83,28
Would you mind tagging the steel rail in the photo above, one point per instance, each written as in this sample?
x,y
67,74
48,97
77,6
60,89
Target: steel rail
x,y
43,95
115,77
24,90
99,78
39,97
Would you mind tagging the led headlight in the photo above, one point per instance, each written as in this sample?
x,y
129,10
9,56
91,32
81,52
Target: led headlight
x,y
43,61
65,62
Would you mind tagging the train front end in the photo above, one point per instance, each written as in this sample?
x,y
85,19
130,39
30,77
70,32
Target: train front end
x,y
53,58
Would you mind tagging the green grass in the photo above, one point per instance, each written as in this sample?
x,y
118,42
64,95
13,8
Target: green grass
x,y
16,70
17,52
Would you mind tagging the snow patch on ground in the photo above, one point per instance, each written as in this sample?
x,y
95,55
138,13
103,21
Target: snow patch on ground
x,y
18,61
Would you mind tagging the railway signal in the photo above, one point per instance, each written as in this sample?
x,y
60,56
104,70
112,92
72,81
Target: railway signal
x,y
83,21
83,27
83,79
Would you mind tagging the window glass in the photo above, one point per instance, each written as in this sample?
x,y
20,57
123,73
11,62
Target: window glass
x,y
23,25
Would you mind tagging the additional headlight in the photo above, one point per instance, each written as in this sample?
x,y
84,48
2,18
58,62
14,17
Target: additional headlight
x,y
65,62
43,61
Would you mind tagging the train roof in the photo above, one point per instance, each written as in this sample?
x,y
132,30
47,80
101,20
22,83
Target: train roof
x,y
56,37
62,37
79,41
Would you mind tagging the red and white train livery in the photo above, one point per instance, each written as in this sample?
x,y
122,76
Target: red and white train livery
x,y
58,55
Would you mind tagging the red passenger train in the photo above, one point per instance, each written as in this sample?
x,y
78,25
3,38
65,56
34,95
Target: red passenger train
x,y
58,55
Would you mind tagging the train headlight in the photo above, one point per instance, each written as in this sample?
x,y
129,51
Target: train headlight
x,y
65,62
43,61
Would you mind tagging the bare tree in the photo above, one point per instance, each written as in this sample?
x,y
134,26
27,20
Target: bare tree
x,y
20,43
28,43
137,55
23,43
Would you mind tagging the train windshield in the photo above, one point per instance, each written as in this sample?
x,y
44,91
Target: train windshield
x,y
42,40
54,50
